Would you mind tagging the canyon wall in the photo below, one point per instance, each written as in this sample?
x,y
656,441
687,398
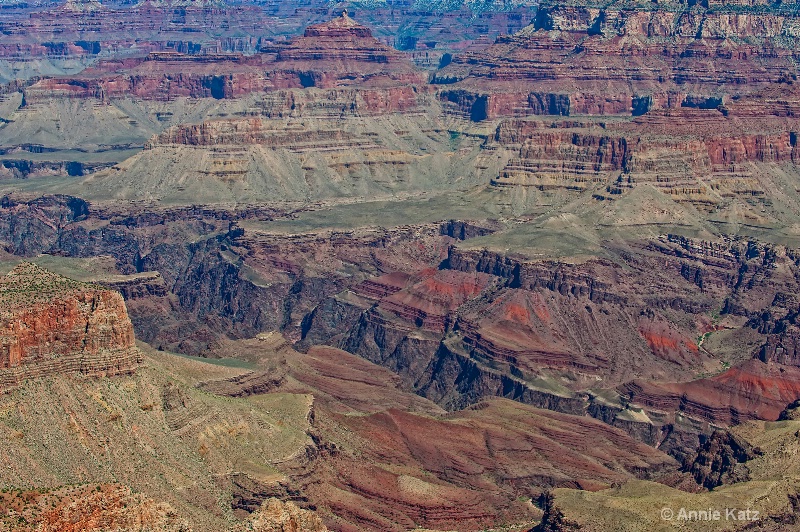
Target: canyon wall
x,y
624,59
53,325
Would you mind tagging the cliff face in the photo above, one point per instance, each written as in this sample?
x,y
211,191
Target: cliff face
x,y
720,460
488,324
338,53
85,30
580,60
695,155
51,324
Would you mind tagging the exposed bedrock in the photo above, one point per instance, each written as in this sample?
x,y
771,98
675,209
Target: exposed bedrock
x,y
31,227
334,54
53,325
623,60
697,156
556,335
720,460
612,339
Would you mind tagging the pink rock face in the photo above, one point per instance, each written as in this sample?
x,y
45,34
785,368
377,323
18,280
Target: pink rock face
x,y
753,390
579,61
336,54
85,322
52,324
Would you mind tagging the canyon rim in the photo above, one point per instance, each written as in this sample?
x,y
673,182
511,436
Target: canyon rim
x,y
399,265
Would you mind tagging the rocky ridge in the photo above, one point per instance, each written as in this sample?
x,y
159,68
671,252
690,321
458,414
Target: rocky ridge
x,y
326,56
54,325
623,58
462,324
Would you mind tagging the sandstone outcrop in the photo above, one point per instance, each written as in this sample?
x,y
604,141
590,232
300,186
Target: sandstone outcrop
x,y
51,325
623,59
277,516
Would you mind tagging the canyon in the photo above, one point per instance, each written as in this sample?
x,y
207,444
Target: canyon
x,y
337,274
54,325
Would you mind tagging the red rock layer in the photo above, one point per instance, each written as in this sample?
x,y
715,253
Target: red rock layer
x,y
53,325
529,324
753,390
428,302
339,53
476,463
386,459
579,60
348,51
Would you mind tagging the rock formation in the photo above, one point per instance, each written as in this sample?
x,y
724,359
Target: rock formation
x,y
623,59
720,460
564,264
338,53
764,450
51,324
332,53
87,508
277,516
697,156
458,324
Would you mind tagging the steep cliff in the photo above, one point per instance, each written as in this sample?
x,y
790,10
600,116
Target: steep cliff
x,y
622,58
337,53
721,460
51,324
702,156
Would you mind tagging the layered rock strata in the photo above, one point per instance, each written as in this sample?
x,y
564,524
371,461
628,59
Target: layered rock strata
x,y
338,53
700,156
54,325
624,59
